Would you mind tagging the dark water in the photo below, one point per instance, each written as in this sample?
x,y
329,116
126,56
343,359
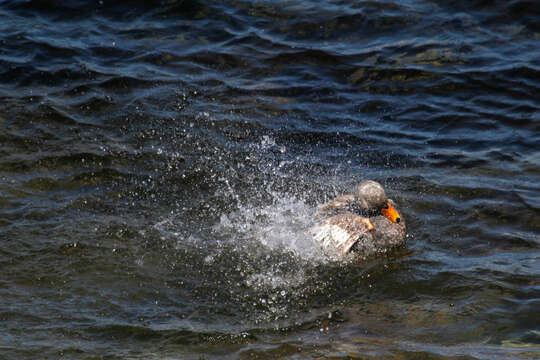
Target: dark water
x,y
160,161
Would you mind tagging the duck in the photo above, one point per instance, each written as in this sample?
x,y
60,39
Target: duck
x,y
364,223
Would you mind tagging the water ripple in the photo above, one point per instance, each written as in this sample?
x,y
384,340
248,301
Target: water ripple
x,y
160,162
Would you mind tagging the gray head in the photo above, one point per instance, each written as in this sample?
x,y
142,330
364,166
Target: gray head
x,y
370,196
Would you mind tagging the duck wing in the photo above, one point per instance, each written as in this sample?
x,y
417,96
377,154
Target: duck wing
x,y
341,232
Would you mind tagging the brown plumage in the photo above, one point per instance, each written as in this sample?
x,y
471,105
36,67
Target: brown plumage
x,y
342,231
366,222
338,205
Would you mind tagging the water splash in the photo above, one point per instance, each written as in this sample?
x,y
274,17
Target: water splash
x,y
281,225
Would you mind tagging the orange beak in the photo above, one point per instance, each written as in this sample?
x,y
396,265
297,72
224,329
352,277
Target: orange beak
x,y
391,213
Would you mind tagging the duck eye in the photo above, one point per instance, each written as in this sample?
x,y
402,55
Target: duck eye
x,y
398,220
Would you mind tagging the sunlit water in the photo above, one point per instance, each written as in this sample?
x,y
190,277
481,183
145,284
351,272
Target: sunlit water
x,y
161,163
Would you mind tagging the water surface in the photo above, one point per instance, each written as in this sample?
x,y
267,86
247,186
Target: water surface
x,y
161,160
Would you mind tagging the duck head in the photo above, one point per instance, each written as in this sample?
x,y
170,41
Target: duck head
x,y
371,200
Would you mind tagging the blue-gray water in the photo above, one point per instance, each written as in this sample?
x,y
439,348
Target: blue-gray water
x,y
161,160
